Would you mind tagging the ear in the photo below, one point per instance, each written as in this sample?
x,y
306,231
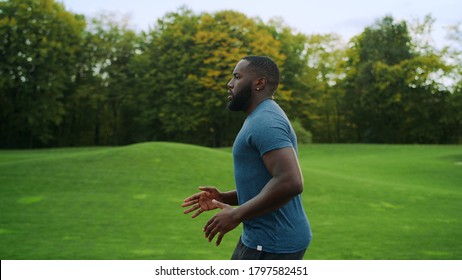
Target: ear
x,y
260,84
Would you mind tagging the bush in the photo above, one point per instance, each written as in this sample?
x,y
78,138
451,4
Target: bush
x,y
303,136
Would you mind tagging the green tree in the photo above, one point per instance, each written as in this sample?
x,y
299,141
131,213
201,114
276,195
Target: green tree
x,y
166,63
100,108
116,46
427,99
295,75
191,58
222,39
394,88
453,116
40,41
323,54
373,85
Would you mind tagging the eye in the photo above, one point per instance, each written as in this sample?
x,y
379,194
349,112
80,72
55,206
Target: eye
x,y
236,76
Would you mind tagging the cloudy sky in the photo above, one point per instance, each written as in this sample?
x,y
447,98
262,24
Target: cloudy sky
x,y
347,18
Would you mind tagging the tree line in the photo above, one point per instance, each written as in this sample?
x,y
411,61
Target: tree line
x,y
69,80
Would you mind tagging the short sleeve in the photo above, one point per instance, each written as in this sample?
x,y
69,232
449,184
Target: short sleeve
x,y
269,131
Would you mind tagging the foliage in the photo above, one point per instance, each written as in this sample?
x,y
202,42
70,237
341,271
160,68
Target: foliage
x,y
103,99
39,49
191,57
391,93
303,135
67,80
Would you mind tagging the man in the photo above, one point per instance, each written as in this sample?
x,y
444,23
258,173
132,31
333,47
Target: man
x,y
268,178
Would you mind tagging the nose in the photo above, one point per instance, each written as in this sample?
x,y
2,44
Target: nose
x,y
230,84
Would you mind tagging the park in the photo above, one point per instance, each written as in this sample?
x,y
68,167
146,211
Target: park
x,y
383,202
105,130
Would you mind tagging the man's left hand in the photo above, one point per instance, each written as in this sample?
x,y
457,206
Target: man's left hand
x,y
223,222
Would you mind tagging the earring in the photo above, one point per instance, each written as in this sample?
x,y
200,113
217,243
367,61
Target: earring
x,y
258,88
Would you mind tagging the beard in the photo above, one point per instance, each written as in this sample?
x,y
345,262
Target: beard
x,y
241,100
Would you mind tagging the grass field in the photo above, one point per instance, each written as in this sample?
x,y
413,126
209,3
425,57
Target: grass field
x,y
363,201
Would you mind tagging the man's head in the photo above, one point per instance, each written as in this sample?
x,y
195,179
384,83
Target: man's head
x,y
255,78
264,66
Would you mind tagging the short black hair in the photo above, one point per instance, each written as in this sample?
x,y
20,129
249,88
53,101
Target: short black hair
x,y
266,67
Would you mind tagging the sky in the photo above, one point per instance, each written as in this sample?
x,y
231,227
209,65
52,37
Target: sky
x,y
347,18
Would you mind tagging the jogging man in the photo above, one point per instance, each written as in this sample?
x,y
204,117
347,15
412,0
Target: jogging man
x,y
267,174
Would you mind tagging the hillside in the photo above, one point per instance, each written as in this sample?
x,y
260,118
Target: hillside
x,y
363,201
106,203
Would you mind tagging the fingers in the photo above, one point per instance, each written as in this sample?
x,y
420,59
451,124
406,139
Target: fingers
x,y
207,189
211,229
200,211
196,196
193,197
195,207
194,202
189,202
208,225
219,238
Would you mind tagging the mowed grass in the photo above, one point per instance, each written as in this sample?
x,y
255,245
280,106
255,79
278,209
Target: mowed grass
x,y
363,202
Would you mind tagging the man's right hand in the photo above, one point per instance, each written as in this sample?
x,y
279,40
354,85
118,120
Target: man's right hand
x,y
202,201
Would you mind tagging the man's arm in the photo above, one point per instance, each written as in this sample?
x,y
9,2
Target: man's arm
x,y
230,198
286,183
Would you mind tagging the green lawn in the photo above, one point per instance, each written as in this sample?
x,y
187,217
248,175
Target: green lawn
x,y
363,201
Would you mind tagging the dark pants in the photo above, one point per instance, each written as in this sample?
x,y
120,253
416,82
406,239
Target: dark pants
x,y
243,252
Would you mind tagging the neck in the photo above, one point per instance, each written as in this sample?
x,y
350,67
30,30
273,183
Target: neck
x,y
255,104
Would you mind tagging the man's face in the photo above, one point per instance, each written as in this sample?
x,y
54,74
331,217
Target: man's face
x,y
240,88
240,100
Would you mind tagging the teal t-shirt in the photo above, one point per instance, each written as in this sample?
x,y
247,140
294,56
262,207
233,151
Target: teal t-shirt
x,y
287,229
